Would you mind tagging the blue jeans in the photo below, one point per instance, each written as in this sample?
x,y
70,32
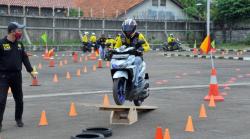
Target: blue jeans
x,y
138,62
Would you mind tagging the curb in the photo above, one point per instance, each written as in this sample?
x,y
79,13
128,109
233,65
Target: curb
x,y
208,57
221,50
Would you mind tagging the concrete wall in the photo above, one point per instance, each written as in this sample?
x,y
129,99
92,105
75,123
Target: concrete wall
x,y
67,29
146,11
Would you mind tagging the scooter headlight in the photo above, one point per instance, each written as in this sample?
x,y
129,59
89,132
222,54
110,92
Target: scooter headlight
x,y
119,65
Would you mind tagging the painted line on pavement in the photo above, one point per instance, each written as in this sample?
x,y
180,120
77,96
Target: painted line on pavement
x,y
109,91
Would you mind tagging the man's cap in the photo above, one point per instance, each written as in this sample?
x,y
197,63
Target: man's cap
x,y
14,25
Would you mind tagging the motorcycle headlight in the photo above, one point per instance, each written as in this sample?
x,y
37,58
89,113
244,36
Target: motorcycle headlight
x,y
119,65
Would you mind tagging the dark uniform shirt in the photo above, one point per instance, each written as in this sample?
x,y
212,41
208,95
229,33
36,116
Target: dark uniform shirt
x,y
12,55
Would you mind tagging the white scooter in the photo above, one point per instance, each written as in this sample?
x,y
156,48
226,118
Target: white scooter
x,y
123,73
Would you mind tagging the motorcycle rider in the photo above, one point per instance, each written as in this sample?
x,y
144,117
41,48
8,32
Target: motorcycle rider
x,y
110,42
93,40
130,37
171,40
85,40
101,43
117,37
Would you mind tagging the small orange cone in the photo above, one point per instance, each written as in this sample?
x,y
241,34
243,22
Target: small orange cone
x,y
108,64
106,101
86,58
78,72
43,119
39,66
212,102
35,82
68,77
99,63
55,79
189,125
92,55
94,68
65,61
51,62
72,111
80,60
60,63
75,57
158,134
203,113
195,51
222,53
85,70
167,135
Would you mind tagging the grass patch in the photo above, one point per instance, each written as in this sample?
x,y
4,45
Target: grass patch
x,y
233,46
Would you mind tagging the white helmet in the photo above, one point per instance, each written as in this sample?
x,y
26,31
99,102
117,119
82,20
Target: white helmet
x,y
93,33
86,33
172,35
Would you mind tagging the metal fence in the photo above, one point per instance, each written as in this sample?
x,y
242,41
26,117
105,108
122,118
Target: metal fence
x,y
65,29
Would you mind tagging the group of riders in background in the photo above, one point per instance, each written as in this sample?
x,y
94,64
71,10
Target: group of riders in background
x,y
103,44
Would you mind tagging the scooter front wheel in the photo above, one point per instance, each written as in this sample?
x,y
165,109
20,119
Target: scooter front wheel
x,y
138,102
119,90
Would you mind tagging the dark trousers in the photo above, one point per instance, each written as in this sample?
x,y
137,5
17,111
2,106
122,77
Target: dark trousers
x,y
14,81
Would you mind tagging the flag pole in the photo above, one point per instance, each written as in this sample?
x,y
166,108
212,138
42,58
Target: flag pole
x,y
208,30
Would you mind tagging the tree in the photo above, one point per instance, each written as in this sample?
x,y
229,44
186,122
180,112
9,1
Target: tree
x,y
227,13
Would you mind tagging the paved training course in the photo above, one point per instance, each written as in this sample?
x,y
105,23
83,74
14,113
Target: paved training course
x,y
178,86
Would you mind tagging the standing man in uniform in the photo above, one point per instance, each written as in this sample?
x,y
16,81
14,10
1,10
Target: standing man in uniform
x,y
12,55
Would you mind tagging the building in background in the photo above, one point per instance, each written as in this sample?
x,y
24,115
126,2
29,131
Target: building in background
x,y
112,9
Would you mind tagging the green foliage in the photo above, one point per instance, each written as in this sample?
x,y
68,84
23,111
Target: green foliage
x,y
74,13
232,11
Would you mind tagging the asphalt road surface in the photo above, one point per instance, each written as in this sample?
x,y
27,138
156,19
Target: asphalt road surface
x,y
178,85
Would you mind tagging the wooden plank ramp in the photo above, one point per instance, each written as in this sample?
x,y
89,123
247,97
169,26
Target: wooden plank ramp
x,y
125,115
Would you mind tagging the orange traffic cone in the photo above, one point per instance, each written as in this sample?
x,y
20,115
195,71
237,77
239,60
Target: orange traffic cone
x,y
68,77
43,119
214,88
51,62
106,101
189,125
72,111
80,60
108,64
158,134
92,55
46,54
99,63
78,72
195,51
212,102
222,53
55,79
167,135
65,61
39,66
35,82
86,58
75,57
203,113
94,68
60,63
85,70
